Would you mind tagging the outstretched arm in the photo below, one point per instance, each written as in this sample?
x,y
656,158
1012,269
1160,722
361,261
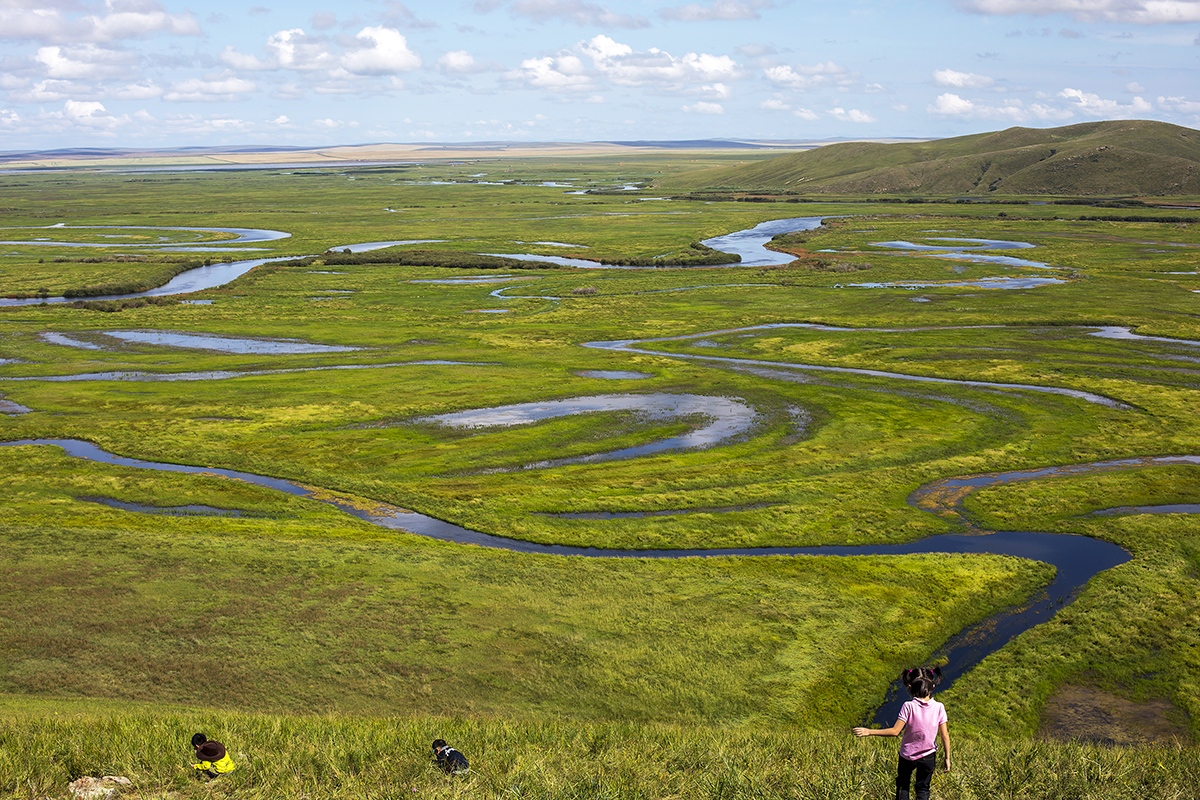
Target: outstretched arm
x,y
944,733
892,731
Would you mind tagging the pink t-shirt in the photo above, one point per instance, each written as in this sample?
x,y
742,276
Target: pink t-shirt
x,y
921,720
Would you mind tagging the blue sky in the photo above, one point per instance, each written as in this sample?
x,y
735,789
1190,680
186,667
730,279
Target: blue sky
x,y
145,73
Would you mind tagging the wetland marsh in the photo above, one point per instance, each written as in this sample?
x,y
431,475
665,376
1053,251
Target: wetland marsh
x,y
389,399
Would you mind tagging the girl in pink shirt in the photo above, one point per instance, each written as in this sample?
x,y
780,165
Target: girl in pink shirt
x,y
922,720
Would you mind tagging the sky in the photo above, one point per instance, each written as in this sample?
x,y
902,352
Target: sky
x,y
306,73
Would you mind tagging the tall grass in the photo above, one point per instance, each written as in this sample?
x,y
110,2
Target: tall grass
x,y
319,757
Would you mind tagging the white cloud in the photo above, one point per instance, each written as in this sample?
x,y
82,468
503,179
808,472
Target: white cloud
x,y
85,62
1180,105
1011,111
601,48
627,67
177,125
580,13
562,73
1140,12
719,10
459,62
384,51
805,76
804,113
241,61
853,115
717,91
705,108
137,91
44,22
961,80
134,18
951,104
90,114
294,49
1095,106
223,87
775,104
622,65
49,91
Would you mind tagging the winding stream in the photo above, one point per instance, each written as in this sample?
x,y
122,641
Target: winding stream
x,y
1076,558
749,244
637,346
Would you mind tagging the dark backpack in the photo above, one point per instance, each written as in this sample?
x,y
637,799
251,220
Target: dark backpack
x,y
452,761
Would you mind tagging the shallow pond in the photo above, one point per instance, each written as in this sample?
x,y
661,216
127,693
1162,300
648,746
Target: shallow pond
x,y
194,280
164,243
613,374
227,344
725,420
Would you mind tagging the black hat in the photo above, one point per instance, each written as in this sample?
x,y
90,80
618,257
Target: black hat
x,y
211,751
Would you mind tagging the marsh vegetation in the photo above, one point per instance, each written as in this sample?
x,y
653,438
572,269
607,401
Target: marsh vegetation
x,y
297,618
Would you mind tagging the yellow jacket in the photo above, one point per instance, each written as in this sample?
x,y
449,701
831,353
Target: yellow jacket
x,y
220,766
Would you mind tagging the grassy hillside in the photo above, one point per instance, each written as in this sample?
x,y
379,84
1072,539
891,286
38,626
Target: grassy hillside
x,y
1097,158
385,758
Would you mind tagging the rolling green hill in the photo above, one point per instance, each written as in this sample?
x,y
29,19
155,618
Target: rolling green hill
x,y
1134,157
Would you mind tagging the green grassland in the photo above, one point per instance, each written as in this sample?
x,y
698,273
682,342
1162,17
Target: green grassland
x,y
332,650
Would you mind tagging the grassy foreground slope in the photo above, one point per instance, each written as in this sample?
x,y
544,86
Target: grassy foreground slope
x,y
320,757
1134,157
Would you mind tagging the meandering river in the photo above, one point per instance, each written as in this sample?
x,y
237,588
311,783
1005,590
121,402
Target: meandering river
x,y
749,244
1077,559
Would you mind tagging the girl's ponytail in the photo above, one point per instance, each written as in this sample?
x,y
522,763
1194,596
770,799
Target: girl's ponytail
x,y
920,681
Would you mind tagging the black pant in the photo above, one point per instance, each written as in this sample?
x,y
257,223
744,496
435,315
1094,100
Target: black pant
x,y
924,768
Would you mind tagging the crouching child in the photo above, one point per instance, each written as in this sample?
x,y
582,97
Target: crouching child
x,y
449,760
214,761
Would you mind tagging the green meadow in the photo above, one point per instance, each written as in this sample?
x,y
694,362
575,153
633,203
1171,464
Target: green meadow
x,y
327,652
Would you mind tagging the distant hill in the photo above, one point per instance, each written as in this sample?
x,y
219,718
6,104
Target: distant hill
x,y
1092,159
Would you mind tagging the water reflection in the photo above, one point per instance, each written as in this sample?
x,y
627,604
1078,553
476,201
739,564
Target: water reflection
x,y
218,374
749,243
193,510
965,252
1076,558
227,344
164,243
726,418
613,374
975,283
639,346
